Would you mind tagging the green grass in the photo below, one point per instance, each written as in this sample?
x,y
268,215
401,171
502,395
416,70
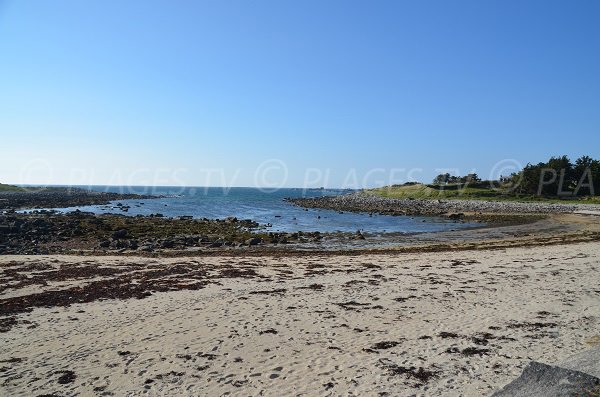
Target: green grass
x,y
10,188
433,192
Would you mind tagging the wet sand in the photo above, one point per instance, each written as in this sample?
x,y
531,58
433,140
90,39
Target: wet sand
x,y
446,323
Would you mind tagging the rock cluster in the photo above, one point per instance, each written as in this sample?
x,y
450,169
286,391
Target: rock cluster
x,y
43,232
59,197
364,202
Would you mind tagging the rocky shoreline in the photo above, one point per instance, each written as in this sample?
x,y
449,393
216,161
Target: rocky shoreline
x,y
453,209
39,232
60,197
50,232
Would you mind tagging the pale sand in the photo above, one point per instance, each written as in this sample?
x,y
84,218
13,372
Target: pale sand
x,y
225,340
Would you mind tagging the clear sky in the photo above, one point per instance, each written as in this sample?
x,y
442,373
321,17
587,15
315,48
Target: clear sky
x,y
274,92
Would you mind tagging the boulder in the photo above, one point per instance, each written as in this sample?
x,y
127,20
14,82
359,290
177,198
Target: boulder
x,y
587,361
121,233
253,241
146,248
168,244
542,380
456,216
577,376
119,244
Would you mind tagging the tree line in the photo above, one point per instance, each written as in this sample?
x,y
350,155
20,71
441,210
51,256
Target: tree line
x,y
559,177
448,179
556,177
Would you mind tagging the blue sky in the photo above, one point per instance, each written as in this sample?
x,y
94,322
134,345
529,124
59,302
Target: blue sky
x,y
215,92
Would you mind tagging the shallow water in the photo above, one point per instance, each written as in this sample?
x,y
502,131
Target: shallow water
x,y
265,207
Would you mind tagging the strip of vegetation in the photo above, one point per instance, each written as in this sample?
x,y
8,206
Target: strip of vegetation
x,y
10,188
553,181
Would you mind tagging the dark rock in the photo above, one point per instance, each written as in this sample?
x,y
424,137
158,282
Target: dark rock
x,y
358,235
121,233
456,216
119,244
541,380
168,244
587,361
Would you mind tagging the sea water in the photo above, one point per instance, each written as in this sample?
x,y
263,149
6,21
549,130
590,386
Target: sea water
x,y
266,207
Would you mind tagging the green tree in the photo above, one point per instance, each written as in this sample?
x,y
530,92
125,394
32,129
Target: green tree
x,y
441,179
586,176
562,171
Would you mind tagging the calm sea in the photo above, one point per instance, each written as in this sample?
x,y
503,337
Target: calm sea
x,y
265,207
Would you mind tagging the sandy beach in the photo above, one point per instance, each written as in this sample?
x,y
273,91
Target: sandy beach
x,y
454,323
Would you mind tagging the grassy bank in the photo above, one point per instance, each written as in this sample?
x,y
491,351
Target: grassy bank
x,y
479,192
10,188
